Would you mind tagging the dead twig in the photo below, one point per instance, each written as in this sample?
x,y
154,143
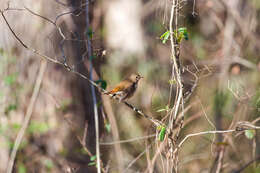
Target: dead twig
x,y
202,133
28,115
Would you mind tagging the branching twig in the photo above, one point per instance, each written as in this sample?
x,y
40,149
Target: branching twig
x,y
241,126
203,133
83,140
138,157
14,34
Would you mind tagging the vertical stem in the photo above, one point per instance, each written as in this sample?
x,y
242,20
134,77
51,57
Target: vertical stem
x,y
172,49
92,87
175,58
27,118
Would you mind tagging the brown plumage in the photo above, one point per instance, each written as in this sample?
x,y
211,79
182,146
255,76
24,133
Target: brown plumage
x,y
126,88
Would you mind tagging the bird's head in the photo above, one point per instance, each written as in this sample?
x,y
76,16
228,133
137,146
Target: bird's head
x,y
135,77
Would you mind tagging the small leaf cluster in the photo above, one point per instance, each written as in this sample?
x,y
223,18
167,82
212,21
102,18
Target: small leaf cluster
x,y
178,35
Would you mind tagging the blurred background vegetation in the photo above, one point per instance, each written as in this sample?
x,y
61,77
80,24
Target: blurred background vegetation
x,y
223,50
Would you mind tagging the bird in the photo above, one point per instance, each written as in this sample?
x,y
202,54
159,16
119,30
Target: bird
x,y
126,88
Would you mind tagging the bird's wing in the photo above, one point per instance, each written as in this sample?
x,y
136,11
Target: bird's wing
x,y
120,87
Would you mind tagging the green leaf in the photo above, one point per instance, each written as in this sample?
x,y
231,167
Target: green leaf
x,y
48,163
186,37
182,33
108,127
159,127
92,57
10,79
90,33
64,106
162,134
165,36
10,108
10,144
102,83
91,163
163,109
172,81
92,158
21,168
250,134
38,127
182,30
16,126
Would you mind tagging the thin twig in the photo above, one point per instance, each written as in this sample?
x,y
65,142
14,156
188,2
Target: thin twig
x,y
220,159
28,115
115,132
247,164
138,157
14,34
82,141
211,123
203,133
85,131
128,140
157,153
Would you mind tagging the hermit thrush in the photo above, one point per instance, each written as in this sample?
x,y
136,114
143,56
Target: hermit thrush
x,y
126,88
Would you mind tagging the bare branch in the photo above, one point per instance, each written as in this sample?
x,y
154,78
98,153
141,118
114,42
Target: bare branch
x,y
128,140
27,118
203,133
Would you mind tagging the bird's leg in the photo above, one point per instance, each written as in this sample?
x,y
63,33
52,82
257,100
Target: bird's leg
x,y
123,97
120,95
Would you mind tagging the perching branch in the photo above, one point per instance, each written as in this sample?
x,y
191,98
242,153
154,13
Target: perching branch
x,y
70,69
